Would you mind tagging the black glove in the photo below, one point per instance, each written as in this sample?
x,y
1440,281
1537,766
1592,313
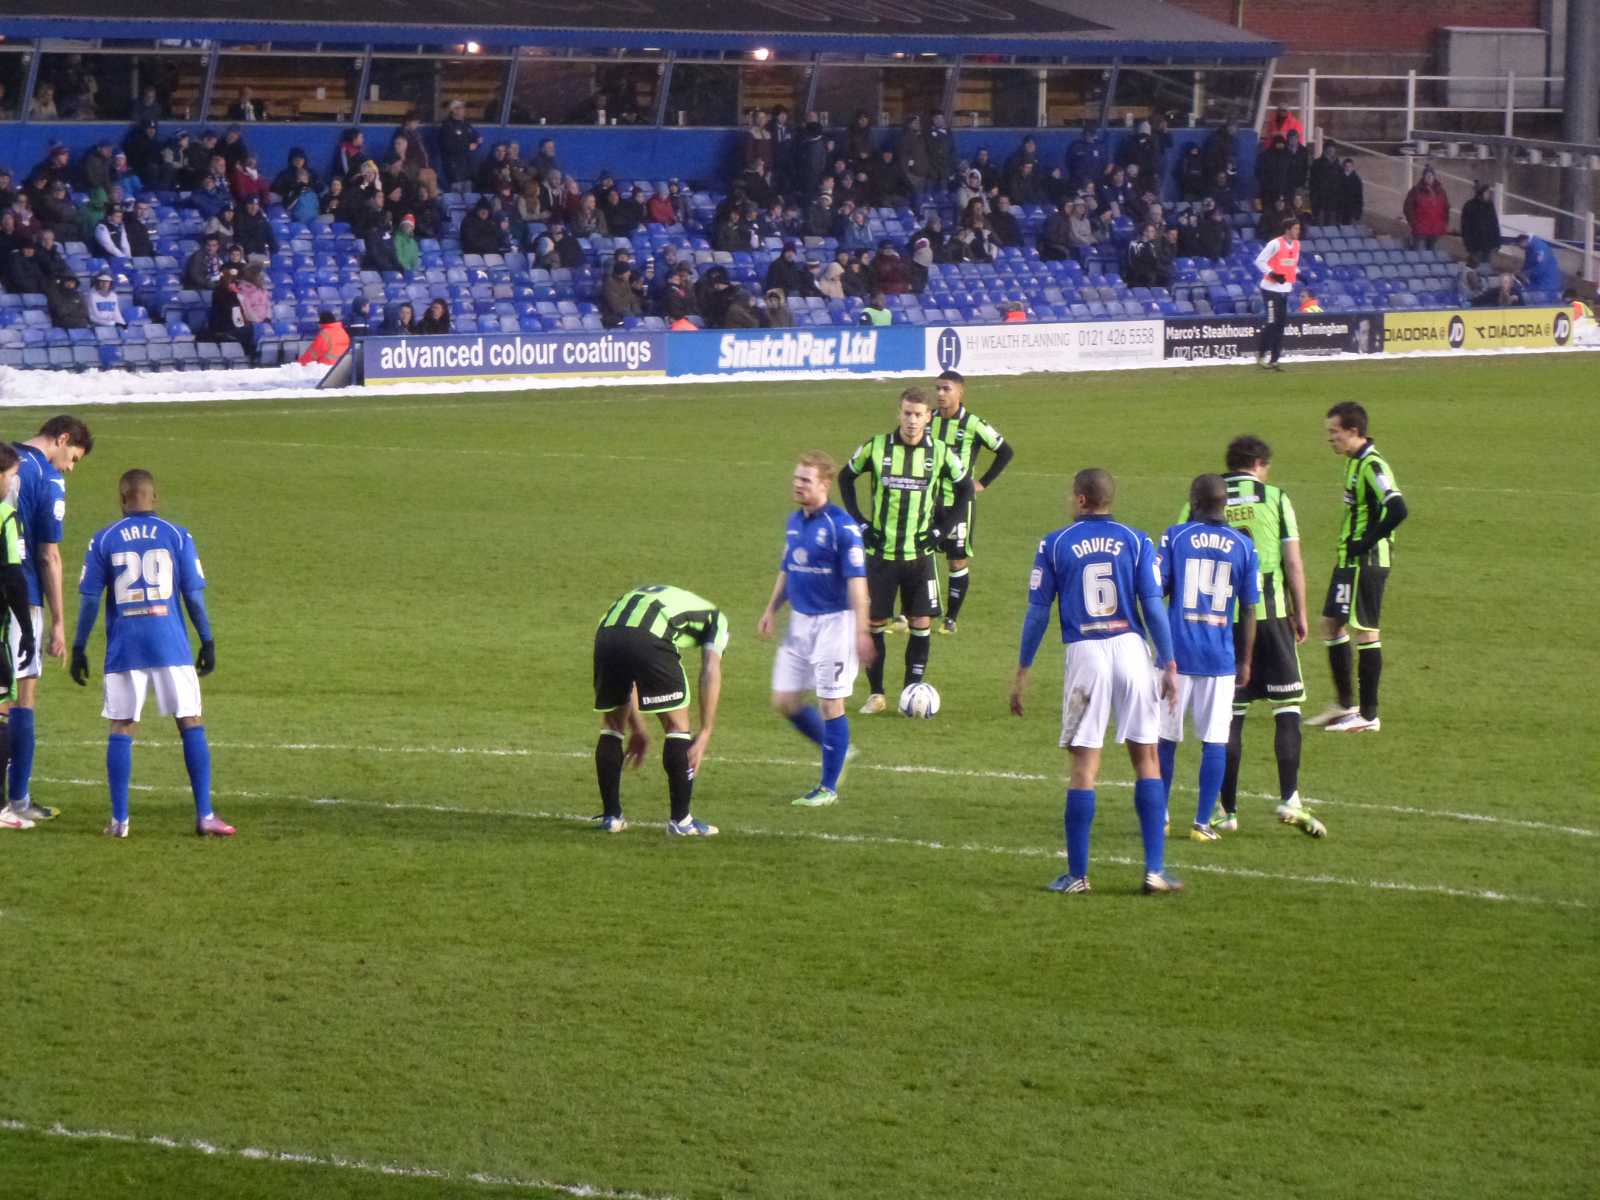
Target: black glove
x,y
80,666
928,540
1356,547
871,539
207,660
26,649
1275,277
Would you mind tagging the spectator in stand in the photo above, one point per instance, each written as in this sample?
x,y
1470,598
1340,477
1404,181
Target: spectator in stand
x,y
1142,150
856,235
1025,186
1427,211
729,233
1192,182
50,254
173,169
1141,265
25,274
43,105
359,323
854,282
233,260
402,320
458,141
335,203
811,152
1055,240
1281,123
285,180
253,231
1504,292
788,274
1299,162
197,157
1222,196
911,151
1471,281
141,228
921,264
331,342
776,314
678,301
891,274
204,267
887,183
618,300
111,236
255,295
480,231
1189,243
27,225
876,311
301,201
1272,218
940,153
223,224
493,170
8,192
1114,190
1086,158
1166,244
123,175
247,107
971,190
625,214
565,246
973,243
436,318
429,211
830,286
544,160
740,310
400,167
860,145
753,184
1541,270
1003,223
590,221
148,108
350,154
1273,171
1084,235
757,146
233,148
1352,202
782,148
67,309
819,220
406,250
658,209
1480,224
207,199
57,212
933,233
94,170
1324,186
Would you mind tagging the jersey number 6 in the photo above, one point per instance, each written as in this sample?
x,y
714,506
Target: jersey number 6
x,y
1099,590
154,566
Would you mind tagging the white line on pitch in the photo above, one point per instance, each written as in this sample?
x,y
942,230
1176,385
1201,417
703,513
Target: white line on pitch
x,y
337,1161
869,839
1407,810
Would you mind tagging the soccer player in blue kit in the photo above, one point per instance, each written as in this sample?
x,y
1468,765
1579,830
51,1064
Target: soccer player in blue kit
x,y
1104,576
148,563
1207,568
823,577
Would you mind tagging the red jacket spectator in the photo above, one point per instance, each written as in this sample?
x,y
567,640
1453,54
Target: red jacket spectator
x,y
1427,208
659,210
329,345
246,180
1279,123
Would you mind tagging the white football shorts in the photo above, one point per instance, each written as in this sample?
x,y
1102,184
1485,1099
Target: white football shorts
x,y
818,655
34,669
177,692
1106,678
1208,699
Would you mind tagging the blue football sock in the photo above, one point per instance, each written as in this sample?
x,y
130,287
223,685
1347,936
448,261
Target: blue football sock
x,y
1167,752
835,745
1079,818
809,722
197,757
1150,802
1213,764
20,772
119,770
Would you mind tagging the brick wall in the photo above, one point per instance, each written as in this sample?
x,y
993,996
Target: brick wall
x,y
1370,26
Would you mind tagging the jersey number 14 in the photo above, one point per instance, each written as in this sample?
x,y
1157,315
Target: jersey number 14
x,y
1207,577
153,569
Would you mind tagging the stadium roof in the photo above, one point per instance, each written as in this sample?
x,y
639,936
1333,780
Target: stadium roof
x,y
1081,29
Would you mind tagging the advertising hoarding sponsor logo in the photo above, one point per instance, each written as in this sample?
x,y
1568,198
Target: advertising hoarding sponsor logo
x,y
995,349
1477,329
506,355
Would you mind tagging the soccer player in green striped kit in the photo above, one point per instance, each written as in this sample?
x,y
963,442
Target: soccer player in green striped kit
x,y
910,472
964,432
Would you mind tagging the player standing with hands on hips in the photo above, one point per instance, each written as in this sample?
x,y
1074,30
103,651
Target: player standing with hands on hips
x,y
823,578
1373,509
148,563
910,471
1279,262
1106,581
964,432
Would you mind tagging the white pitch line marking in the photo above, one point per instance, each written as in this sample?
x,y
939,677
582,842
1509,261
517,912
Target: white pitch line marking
x,y
337,1161
1405,810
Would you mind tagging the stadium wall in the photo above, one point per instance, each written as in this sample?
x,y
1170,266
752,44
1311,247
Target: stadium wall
x,y
704,155
1371,26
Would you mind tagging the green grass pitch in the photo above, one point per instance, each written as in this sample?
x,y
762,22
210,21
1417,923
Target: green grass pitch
x,y
417,956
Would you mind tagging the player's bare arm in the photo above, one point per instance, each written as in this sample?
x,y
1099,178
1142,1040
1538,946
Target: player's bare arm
x,y
866,649
1295,568
710,693
50,576
769,616
1247,630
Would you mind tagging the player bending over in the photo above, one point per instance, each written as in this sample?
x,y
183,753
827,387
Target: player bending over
x,y
1206,569
1104,576
823,577
148,563
637,670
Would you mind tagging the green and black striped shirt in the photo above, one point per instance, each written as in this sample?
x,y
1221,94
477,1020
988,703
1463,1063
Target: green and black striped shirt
x,y
1263,513
907,484
671,614
964,433
1368,485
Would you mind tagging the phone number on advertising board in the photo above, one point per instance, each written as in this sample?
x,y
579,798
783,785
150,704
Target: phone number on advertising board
x,y
1116,335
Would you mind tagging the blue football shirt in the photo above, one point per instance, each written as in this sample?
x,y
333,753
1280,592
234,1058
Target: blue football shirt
x,y
1097,569
148,564
41,506
1206,567
822,552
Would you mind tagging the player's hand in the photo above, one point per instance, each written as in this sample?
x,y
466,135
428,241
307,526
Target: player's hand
x,y
765,625
1169,682
1301,630
977,486
1356,547
1015,697
871,539
697,751
56,648
638,747
80,666
27,649
1242,679
866,649
206,661
928,540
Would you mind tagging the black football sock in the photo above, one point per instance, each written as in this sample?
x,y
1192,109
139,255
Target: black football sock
x,y
875,667
1342,661
608,770
1230,768
959,582
680,779
1286,745
1370,656
917,647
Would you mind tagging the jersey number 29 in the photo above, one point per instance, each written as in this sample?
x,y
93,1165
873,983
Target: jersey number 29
x,y
153,567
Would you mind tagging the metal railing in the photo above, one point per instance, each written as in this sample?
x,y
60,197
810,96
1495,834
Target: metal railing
x,y
1312,106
